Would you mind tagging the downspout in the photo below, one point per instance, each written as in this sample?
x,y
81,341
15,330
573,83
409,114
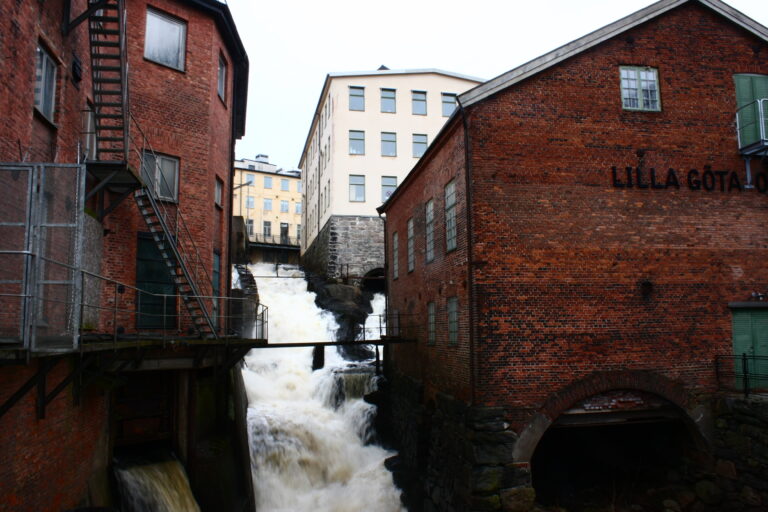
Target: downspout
x,y
470,256
386,291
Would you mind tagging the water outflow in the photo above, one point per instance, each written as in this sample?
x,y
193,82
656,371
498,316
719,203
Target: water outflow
x,y
308,430
157,487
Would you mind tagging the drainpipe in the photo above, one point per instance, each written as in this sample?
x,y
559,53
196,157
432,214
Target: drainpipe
x,y
470,256
386,288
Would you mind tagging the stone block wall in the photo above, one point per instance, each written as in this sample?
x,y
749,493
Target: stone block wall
x,y
347,246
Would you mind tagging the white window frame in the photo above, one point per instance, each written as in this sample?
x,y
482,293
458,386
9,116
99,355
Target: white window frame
x,y
46,69
153,174
268,182
151,52
284,184
221,85
640,88
249,227
267,204
266,228
284,206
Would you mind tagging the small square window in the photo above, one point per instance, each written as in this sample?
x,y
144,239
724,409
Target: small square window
x,y
356,188
45,83
388,186
419,144
449,103
357,98
221,88
165,40
356,142
419,103
388,144
640,89
388,100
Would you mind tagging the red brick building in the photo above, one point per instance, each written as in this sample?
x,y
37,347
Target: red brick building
x,y
118,120
584,244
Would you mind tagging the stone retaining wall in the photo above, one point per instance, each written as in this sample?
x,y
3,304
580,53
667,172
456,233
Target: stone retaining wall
x,y
347,245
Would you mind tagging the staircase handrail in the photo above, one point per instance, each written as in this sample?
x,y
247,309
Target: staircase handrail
x,y
124,64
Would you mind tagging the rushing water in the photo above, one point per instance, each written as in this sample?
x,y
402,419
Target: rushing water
x,y
308,430
157,487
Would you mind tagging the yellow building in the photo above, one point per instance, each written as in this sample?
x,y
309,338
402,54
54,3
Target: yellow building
x,y
269,200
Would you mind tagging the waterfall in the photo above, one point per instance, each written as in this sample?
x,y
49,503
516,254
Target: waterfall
x,y
310,431
157,487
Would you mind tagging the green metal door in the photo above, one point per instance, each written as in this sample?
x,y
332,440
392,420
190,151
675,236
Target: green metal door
x,y
156,308
750,338
750,88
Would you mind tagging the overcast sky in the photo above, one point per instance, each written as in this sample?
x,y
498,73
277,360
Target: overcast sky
x,y
293,44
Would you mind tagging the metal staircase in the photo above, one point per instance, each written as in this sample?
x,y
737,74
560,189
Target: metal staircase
x,y
109,68
181,257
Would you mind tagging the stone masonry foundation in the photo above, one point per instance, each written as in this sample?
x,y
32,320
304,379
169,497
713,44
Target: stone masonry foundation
x,y
347,246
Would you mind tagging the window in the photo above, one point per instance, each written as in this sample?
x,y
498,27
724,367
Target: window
x,y
388,186
284,184
267,205
249,226
453,320
449,103
45,83
430,323
267,229
388,144
450,216
357,98
165,39
356,142
639,88
298,231
250,202
388,100
298,187
410,247
267,181
749,89
419,144
283,206
356,188
162,174
419,103
251,167
250,179
222,78
429,230
219,192
298,208
395,249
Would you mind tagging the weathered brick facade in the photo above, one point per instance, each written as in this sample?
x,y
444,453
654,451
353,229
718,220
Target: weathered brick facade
x,y
571,282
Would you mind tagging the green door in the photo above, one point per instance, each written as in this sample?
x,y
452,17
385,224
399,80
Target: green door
x,y
750,88
750,337
153,277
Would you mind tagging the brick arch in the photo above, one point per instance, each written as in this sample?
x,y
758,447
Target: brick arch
x,y
601,382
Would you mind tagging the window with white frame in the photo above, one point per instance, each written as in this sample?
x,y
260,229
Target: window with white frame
x,y
162,173
298,186
388,103
388,144
395,250
250,180
249,226
449,103
283,206
284,184
250,202
410,247
430,323
450,216
267,181
165,39
640,88
453,320
429,230
221,87
298,208
356,188
419,103
45,83
419,144
356,98
219,192
388,186
267,228
356,142
267,204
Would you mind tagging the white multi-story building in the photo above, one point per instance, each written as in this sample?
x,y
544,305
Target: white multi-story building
x,y
368,131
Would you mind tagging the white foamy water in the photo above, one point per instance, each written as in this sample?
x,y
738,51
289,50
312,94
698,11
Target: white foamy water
x,y
307,449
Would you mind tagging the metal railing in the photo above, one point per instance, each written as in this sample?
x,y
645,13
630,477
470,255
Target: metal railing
x,y
751,124
743,373
260,238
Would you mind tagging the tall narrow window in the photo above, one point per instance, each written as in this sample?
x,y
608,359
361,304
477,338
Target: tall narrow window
x,y
298,208
283,206
222,78
430,323
357,98
298,232
388,100
249,226
449,103
267,181
267,204
410,247
219,192
250,202
419,144
356,142
419,103
298,187
639,88
429,230
162,173
284,184
450,216
395,250
45,83
388,186
356,188
267,228
453,320
165,40
388,144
